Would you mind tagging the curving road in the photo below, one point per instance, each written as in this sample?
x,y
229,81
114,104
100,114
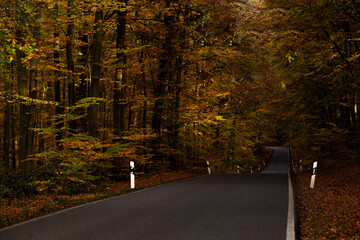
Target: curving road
x,y
242,206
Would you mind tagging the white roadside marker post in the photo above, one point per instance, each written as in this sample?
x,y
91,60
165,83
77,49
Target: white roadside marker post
x,y
251,170
238,168
312,182
208,166
301,165
132,175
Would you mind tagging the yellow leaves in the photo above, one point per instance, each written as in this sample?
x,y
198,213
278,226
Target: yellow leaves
x,y
28,100
354,57
75,179
114,5
139,137
33,55
84,148
210,120
289,58
283,85
334,55
219,118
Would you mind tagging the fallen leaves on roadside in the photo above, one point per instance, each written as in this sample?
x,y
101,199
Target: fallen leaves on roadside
x,y
332,209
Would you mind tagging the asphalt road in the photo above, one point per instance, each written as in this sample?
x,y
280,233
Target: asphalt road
x,y
241,206
279,162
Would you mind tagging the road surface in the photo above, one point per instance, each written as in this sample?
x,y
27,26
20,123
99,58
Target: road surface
x,y
238,206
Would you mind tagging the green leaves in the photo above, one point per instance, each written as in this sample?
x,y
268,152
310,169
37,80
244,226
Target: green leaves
x,y
28,100
76,168
116,148
86,103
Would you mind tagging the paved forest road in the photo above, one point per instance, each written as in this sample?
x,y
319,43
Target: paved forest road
x,y
243,206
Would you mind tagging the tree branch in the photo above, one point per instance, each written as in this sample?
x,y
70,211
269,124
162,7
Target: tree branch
x,y
339,50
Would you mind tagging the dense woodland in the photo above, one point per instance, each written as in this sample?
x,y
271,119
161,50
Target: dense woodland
x,y
87,86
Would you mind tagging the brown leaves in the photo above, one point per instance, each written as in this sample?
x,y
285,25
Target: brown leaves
x,y
332,209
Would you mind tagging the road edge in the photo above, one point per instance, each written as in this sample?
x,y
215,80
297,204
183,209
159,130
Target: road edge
x,y
290,230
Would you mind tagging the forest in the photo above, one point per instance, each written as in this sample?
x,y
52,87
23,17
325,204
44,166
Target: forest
x,y
87,86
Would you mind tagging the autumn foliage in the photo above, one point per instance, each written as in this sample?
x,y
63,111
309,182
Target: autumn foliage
x,y
87,86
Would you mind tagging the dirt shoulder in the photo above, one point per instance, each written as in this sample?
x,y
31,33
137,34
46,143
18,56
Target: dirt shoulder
x,y
331,210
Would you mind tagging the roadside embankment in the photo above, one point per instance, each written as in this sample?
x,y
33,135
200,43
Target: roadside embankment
x,y
331,210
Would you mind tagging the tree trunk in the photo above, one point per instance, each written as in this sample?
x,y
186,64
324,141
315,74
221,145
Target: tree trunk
x,y
159,93
33,94
355,111
14,157
84,49
7,127
81,89
22,75
8,113
58,109
164,76
145,103
119,106
95,72
176,112
130,115
70,61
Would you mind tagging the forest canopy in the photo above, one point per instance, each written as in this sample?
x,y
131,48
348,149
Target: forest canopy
x,y
87,86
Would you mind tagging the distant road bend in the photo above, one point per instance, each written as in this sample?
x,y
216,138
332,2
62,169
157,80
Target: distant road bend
x,y
219,207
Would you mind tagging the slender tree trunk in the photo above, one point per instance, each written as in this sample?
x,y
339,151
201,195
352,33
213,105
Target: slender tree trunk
x,y
176,112
159,94
58,109
145,103
8,112
70,34
96,72
130,116
84,49
33,81
119,106
163,78
355,111
81,90
163,75
13,124
13,141
22,75
7,127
